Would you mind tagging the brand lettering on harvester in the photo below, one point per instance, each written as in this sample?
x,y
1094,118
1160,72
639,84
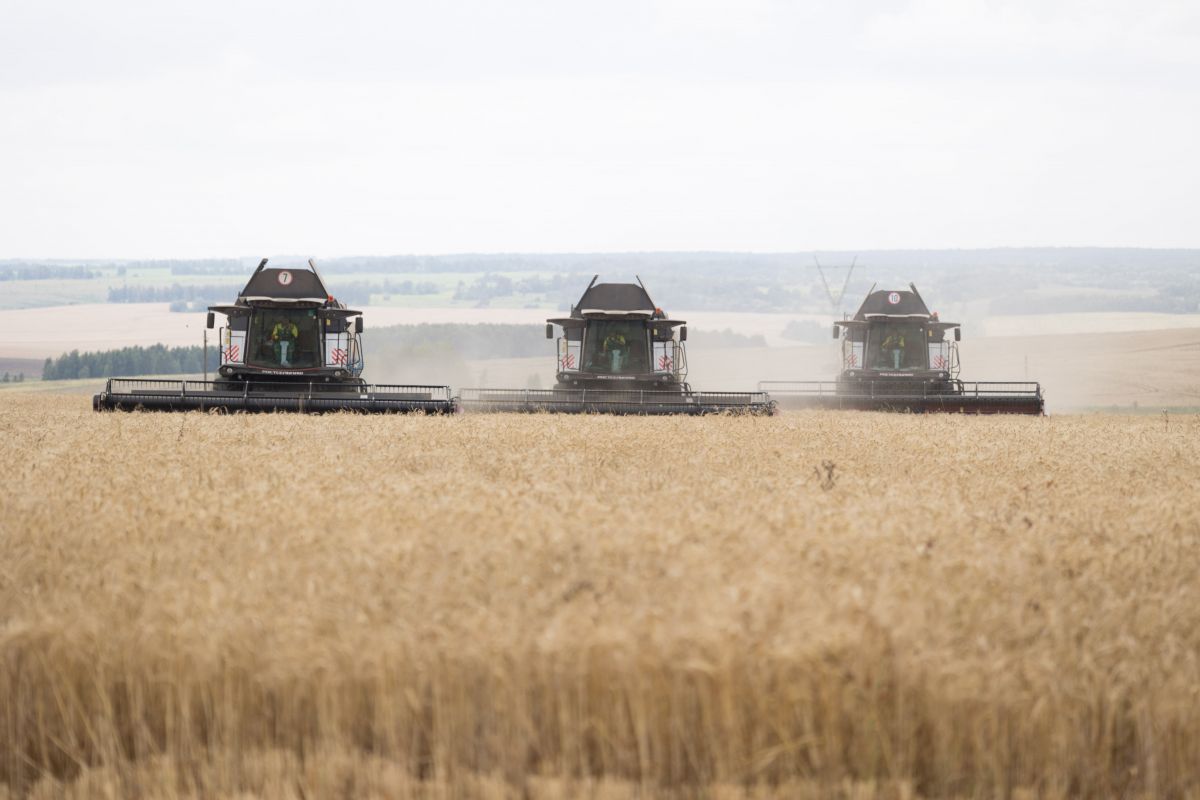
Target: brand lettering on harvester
x,y
282,372
896,374
615,377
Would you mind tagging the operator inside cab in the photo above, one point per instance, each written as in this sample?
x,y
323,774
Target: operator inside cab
x,y
893,347
283,340
615,350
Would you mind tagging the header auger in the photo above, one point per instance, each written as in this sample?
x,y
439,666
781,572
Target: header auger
x,y
619,353
896,356
288,345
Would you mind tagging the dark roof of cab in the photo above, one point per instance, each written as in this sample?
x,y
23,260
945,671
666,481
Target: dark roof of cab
x,y
614,298
298,285
892,302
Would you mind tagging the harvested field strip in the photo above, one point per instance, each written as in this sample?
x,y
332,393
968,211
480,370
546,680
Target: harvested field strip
x,y
548,606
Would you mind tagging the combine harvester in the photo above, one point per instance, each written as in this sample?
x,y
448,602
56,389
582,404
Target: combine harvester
x,y
288,346
619,354
896,357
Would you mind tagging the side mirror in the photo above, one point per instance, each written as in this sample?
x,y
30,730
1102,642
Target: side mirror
x,y
835,331
958,334
358,324
211,320
683,333
549,331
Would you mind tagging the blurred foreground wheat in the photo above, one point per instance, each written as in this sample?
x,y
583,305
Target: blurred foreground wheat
x,y
502,606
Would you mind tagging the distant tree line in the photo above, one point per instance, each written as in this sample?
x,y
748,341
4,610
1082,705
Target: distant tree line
x,y
680,291
725,293
44,272
183,297
202,267
557,288
172,293
1180,299
359,292
771,282
154,360
18,378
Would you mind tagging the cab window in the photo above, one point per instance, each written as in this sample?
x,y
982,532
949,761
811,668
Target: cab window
x,y
616,347
285,338
896,346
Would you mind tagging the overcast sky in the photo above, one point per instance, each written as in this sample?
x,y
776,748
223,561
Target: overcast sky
x,y
233,128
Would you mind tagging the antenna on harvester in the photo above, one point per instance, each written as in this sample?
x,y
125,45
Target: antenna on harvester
x,y
835,300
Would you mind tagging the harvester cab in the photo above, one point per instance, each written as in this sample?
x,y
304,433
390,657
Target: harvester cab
x,y
619,353
893,337
897,355
287,345
616,337
285,326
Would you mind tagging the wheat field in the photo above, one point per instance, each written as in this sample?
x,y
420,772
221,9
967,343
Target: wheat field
x,y
811,605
